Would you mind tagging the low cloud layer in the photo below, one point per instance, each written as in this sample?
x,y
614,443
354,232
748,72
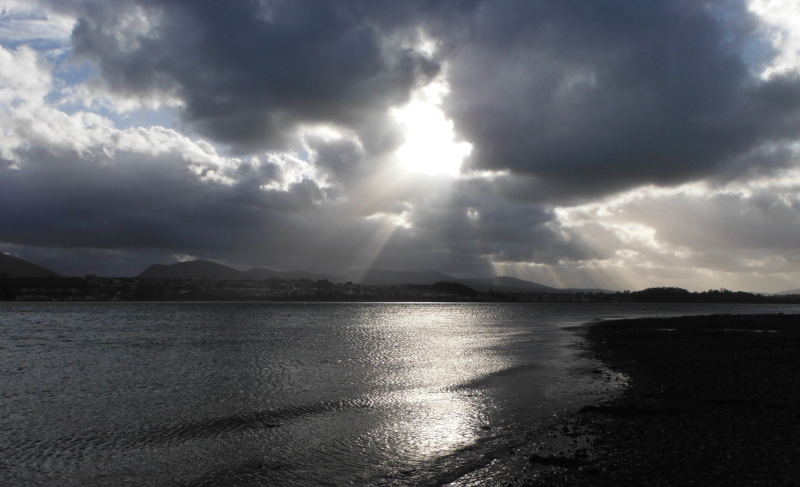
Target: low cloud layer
x,y
619,144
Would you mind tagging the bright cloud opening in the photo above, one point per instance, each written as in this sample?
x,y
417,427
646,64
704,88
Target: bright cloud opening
x,y
782,22
430,146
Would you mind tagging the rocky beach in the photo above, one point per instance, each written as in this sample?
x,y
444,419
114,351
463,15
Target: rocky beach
x,y
710,400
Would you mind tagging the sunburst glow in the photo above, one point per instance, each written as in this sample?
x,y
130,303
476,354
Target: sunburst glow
x,y
430,146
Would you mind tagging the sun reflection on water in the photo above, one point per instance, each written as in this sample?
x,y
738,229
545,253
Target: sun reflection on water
x,y
426,355
439,423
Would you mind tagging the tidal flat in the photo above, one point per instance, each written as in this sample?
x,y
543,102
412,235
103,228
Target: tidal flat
x,y
710,400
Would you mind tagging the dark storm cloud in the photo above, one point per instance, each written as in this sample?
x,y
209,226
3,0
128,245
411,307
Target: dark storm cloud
x,y
249,71
471,225
586,97
590,97
134,207
115,215
134,201
571,99
342,159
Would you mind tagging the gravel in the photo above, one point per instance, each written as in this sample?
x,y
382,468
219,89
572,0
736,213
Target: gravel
x,y
711,400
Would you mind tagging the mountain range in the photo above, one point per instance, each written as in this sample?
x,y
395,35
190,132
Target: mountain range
x,y
12,267
203,269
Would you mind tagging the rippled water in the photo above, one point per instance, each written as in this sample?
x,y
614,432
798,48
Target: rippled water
x,y
300,394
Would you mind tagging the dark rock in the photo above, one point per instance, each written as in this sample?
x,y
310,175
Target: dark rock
x,y
628,411
565,462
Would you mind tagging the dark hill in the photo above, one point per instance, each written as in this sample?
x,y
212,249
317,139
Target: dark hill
x,y
502,284
194,269
259,273
205,269
314,276
505,284
378,277
16,268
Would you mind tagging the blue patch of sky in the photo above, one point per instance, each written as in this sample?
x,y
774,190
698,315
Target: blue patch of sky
x,y
163,117
42,45
741,33
758,53
31,27
68,73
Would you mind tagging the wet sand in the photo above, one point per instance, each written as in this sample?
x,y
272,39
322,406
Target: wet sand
x,y
711,400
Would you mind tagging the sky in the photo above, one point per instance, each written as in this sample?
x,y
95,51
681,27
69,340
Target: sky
x,y
621,144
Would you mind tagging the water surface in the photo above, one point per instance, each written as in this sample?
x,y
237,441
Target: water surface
x,y
296,394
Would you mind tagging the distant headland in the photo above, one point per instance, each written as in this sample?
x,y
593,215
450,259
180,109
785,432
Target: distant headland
x,y
202,280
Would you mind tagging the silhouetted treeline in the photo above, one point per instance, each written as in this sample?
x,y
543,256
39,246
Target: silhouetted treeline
x,y
42,288
93,288
443,287
678,295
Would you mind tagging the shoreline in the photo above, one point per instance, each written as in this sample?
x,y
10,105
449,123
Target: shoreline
x,y
709,400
